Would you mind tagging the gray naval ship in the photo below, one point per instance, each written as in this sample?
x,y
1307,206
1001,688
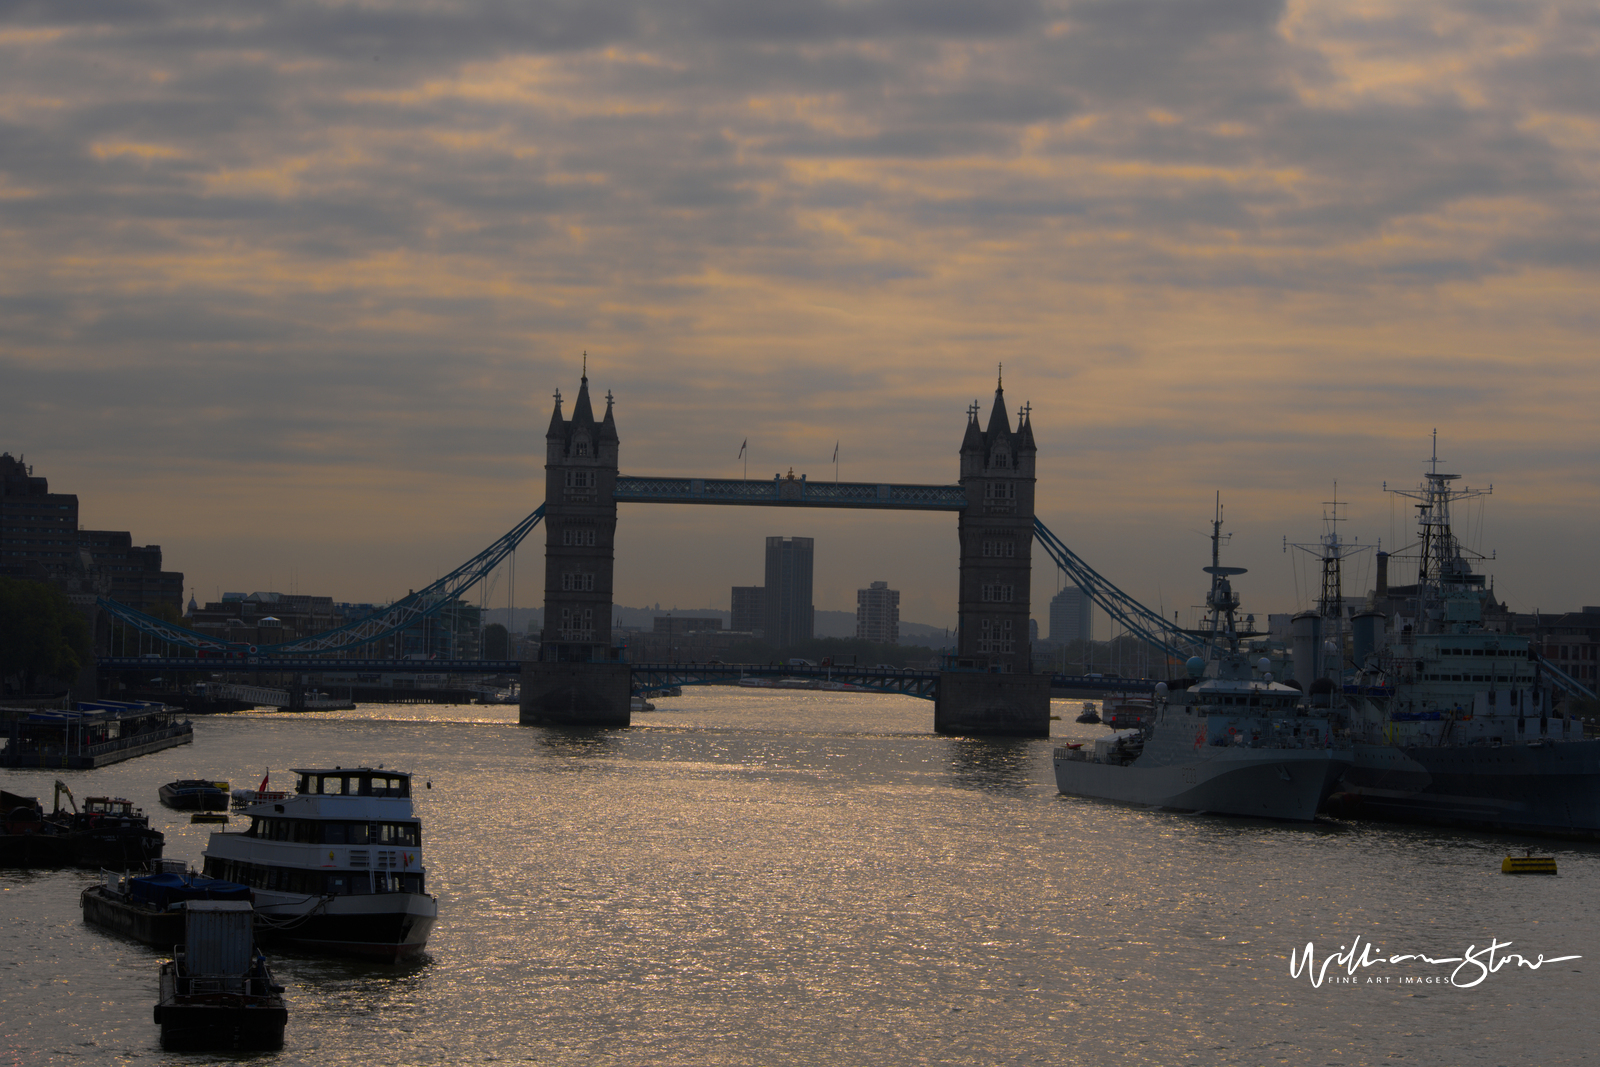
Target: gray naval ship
x,y
1455,723
1234,742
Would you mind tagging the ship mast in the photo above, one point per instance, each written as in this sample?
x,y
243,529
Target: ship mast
x,y
1221,600
1332,550
1443,567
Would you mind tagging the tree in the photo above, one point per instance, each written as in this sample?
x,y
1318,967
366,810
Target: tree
x,y
41,633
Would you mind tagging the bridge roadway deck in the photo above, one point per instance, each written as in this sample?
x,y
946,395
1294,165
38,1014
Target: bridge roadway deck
x,y
647,677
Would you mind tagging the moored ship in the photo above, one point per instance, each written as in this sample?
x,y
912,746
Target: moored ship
x,y
1457,723
1235,742
337,867
151,908
107,832
217,991
195,794
96,734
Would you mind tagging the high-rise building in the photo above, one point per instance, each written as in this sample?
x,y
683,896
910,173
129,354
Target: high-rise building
x,y
788,608
1070,616
749,609
878,614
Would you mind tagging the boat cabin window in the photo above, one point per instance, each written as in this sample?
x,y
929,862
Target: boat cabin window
x,y
323,832
353,785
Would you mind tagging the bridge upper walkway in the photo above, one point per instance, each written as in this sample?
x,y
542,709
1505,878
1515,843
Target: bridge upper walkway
x,y
787,492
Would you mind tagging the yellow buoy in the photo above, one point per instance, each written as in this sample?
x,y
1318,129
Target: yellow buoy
x,y
1529,864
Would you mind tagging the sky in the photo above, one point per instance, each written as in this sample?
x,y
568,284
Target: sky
x,y
287,288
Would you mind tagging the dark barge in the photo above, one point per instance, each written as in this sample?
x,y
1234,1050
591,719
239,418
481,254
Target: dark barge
x,y
96,734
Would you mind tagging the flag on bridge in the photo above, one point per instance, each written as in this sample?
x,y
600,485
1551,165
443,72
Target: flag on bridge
x,y
742,447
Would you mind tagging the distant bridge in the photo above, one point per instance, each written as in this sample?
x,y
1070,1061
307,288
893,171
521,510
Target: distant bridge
x,y
310,665
647,677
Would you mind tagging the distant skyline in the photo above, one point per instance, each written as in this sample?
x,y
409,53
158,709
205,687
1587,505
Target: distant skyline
x,y
288,289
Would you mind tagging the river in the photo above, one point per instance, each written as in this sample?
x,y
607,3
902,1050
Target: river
x,y
757,878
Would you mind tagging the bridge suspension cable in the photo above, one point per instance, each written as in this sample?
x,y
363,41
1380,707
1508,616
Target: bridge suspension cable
x,y
401,615
1139,620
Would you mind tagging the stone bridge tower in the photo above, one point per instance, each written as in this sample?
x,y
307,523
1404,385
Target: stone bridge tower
x,y
576,678
990,687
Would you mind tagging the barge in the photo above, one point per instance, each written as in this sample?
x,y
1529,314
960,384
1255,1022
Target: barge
x,y
97,733
217,992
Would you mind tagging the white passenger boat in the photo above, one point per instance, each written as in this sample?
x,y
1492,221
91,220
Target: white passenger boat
x,y
337,867
1234,743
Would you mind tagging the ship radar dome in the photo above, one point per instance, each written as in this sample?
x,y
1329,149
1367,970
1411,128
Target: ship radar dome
x,y
1196,666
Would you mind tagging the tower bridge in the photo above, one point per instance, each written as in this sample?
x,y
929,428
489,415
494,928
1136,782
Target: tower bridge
x,y
990,686
581,676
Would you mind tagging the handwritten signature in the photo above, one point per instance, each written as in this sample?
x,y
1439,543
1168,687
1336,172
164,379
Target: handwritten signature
x,y
1479,963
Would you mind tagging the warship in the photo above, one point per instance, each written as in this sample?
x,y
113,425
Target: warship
x,y
1234,742
1457,722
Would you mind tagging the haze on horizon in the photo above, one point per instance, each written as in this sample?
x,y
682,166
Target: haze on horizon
x,y
288,288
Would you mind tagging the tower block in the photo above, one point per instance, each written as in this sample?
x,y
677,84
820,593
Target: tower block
x,y
991,687
577,680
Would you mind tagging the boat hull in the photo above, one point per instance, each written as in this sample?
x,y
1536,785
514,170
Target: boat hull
x,y
1271,784
1550,788
194,799
99,755
162,929
384,927
218,1021
34,850
115,849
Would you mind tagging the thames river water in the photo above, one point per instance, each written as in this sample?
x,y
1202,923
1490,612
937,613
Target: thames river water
x,y
763,878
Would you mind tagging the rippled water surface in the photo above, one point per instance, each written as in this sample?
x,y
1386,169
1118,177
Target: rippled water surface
x,y
805,878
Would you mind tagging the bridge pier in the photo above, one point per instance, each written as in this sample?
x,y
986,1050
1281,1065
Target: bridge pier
x,y
576,694
985,703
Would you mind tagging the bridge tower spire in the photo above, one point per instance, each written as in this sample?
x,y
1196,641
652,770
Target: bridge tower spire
x,y
576,677
992,687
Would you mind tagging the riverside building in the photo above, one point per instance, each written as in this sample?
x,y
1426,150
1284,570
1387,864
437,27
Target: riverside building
x,y
40,539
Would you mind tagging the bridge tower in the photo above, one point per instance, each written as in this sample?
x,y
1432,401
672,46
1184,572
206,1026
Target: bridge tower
x,y
990,687
577,679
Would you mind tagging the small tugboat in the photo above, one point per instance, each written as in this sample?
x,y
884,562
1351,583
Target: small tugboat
x,y
336,868
1129,712
191,794
108,832
216,991
1088,716
150,908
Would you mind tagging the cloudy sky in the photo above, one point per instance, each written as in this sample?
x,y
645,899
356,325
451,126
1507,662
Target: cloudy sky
x,y
286,288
